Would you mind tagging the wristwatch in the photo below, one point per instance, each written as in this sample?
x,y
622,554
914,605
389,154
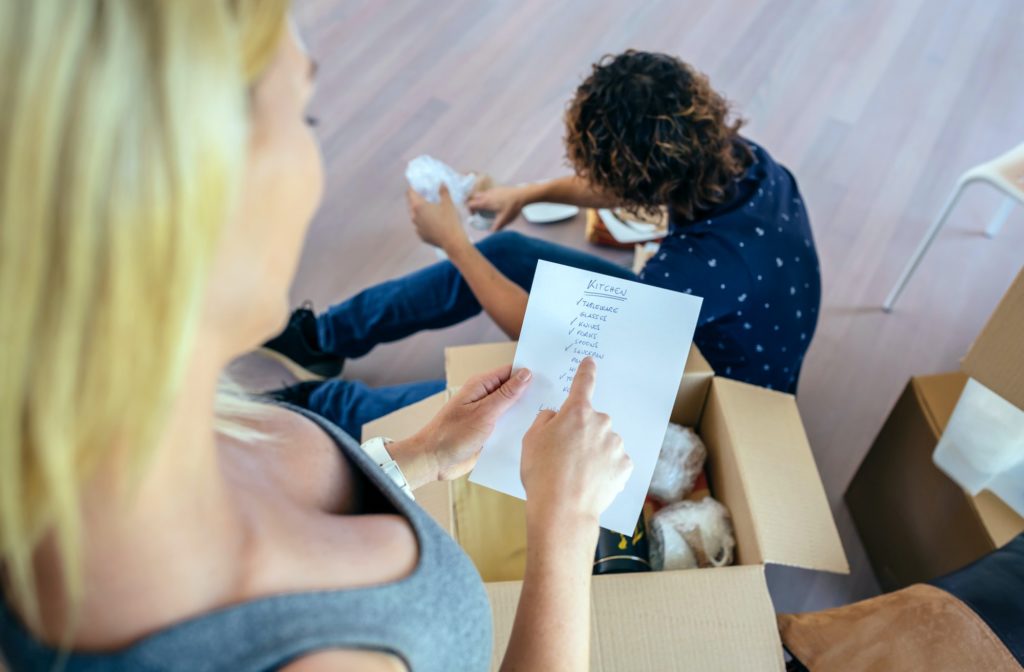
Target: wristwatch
x,y
376,449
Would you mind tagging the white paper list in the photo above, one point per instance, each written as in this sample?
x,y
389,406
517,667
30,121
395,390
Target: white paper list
x,y
638,335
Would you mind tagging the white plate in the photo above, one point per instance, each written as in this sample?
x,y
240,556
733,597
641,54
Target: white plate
x,y
546,213
629,231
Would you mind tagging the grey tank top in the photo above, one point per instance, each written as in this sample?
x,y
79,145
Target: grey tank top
x,y
437,619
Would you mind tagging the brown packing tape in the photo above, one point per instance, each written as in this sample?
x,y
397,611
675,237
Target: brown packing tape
x,y
693,620
997,357
790,515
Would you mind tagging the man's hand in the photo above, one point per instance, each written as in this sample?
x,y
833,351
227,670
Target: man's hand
x,y
505,202
436,223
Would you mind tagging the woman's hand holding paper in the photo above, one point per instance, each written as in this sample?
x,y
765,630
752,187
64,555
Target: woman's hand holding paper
x,y
451,442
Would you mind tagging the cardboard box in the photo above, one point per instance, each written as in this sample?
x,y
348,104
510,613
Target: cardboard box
x,y
760,466
996,359
916,524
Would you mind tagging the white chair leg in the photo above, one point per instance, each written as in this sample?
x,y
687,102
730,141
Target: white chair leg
x,y
922,247
1000,218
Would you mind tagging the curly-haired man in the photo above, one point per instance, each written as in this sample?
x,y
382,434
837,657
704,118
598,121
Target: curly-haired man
x,y
644,130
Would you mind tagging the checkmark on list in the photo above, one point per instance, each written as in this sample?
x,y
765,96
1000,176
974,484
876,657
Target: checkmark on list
x,y
573,321
572,330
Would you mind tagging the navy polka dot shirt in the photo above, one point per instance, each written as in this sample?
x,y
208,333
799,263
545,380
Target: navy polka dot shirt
x,y
753,261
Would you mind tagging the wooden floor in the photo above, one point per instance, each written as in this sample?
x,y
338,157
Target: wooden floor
x,y
875,105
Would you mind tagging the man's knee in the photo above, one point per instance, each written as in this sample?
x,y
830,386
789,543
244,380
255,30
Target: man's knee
x,y
502,243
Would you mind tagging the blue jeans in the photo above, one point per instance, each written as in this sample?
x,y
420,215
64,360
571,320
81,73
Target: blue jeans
x,y
432,298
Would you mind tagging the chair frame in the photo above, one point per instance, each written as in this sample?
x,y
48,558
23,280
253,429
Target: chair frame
x,y
1006,174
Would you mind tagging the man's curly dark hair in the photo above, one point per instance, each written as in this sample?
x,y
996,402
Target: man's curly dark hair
x,y
648,129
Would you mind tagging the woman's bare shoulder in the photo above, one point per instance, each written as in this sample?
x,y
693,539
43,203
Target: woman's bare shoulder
x,y
296,455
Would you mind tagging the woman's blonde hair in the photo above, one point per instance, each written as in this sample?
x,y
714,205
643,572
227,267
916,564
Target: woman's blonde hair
x,y
123,130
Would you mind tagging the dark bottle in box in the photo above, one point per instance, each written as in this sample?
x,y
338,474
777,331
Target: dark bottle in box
x,y
619,553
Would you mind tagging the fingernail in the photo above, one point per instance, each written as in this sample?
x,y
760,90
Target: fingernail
x,y
524,375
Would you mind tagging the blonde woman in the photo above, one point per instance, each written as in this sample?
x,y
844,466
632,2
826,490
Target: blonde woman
x,y
156,180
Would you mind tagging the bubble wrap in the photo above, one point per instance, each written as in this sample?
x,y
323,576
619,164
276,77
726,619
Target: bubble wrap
x,y
679,464
687,535
425,175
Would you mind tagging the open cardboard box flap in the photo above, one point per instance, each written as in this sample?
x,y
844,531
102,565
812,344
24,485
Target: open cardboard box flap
x,y
722,619
463,362
996,359
763,470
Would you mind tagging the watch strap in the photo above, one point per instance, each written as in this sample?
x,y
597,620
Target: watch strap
x,y
376,450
